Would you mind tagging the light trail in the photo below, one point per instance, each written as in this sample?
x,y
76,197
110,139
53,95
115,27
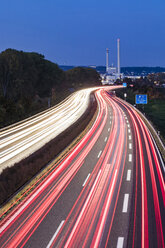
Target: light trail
x,y
40,130
20,140
81,231
153,170
37,212
120,160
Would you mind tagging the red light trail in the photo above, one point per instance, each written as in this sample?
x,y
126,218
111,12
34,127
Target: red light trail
x,y
100,160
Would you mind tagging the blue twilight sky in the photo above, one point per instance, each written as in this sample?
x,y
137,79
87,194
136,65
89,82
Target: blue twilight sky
x,y
77,32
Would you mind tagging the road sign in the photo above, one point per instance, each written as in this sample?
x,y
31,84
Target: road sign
x,y
141,99
125,84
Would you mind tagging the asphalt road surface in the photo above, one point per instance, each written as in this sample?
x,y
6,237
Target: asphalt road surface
x,y
108,192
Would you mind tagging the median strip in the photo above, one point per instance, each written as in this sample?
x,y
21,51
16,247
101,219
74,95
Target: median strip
x,y
89,118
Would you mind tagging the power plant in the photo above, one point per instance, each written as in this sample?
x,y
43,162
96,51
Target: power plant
x,y
112,73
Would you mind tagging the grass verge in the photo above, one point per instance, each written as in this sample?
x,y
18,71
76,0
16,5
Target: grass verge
x,y
153,114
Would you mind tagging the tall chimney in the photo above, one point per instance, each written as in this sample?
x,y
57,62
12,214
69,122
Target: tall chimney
x,y
107,59
118,56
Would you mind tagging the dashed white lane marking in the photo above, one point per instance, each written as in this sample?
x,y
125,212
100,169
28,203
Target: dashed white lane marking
x,y
127,121
86,180
126,117
129,137
128,125
129,130
128,175
110,122
54,236
105,139
125,203
130,158
99,154
130,145
108,129
120,242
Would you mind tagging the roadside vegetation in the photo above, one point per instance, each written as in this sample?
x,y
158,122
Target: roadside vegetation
x,y
153,86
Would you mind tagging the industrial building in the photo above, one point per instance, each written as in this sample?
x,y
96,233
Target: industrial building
x,y
112,73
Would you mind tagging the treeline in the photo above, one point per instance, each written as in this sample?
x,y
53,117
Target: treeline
x,y
130,70
29,84
150,85
142,70
157,78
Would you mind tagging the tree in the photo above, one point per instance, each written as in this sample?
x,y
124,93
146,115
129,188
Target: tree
x,y
28,80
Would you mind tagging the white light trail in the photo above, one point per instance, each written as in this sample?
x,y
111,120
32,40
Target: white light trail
x,y
24,138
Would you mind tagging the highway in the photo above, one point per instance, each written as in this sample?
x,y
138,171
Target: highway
x,y
24,138
108,192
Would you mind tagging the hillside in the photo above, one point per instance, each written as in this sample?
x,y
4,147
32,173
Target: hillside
x,y
29,84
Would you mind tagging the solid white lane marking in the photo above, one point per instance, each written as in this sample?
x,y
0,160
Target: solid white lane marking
x,y
130,158
86,180
125,203
130,145
54,236
129,137
129,130
120,242
108,129
128,175
99,154
105,139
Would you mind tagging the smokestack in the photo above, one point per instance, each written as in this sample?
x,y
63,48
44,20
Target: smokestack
x,y
107,59
118,56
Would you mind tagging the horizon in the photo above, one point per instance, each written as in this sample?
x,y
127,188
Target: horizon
x,y
78,32
120,67
19,50
129,66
